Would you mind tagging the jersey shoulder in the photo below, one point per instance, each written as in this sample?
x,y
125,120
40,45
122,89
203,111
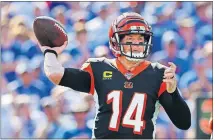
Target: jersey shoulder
x,y
98,62
102,61
158,70
158,67
95,60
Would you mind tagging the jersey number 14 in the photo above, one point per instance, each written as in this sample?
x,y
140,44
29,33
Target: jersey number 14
x,y
134,115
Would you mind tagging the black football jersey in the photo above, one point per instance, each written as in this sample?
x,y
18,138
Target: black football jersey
x,y
126,101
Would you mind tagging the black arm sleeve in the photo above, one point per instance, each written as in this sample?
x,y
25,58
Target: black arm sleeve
x,y
76,79
177,109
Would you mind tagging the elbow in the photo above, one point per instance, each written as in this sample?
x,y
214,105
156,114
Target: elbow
x,y
53,69
185,123
54,74
188,123
55,78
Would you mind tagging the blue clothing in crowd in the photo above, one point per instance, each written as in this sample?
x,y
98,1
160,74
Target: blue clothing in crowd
x,y
78,133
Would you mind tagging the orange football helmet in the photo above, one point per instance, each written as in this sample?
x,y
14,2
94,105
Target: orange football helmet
x,y
129,23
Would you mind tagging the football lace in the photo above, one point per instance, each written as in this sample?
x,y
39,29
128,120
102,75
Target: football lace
x,y
60,28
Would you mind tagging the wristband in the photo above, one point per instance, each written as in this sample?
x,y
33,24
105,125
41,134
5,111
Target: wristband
x,y
51,51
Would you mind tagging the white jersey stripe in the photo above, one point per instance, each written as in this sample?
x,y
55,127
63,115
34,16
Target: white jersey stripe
x,y
95,96
155,115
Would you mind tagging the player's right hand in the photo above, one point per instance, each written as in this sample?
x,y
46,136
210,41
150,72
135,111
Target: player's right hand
x,y
58,50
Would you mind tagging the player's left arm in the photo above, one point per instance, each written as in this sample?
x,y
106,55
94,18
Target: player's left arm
x,y
170,99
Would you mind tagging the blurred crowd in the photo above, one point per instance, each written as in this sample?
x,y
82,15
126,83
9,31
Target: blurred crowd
x,y
32,107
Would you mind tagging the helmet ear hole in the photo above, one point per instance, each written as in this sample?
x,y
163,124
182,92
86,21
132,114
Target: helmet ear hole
x,y
113,41
113,44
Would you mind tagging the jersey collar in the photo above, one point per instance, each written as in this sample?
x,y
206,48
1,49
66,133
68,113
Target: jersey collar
x,y
131,74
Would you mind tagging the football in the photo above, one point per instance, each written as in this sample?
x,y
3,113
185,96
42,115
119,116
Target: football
x,y
49,32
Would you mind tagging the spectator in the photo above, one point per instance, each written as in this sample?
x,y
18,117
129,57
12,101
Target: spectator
x,y
27,84
171,53
60,94
161,21
8,128
99,25
53,128
208,52
204,16
4,88
77,12
27,121
92,109
40,80
82,131
197,82
102,51
40,9
183,9
58,13
161,132
10,52
187,32
80,49
53,4
113,10
203,22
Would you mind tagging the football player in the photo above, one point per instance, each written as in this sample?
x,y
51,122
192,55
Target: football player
x,y
128,90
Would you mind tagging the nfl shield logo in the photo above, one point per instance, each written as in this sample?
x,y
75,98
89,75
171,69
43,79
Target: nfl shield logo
x,y
128,75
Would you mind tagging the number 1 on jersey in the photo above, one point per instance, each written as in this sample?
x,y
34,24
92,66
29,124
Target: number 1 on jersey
x,y
115,97
133,117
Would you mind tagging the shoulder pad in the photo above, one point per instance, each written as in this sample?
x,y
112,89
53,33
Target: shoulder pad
x,y
158,66
101,59
92,60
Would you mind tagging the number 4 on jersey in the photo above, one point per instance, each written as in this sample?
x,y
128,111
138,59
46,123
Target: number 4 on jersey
x,y
133,117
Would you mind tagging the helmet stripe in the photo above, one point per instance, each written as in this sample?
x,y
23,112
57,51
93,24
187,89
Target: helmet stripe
x,y
133,21
125,20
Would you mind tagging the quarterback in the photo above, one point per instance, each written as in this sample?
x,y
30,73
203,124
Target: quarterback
x,y
128,90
